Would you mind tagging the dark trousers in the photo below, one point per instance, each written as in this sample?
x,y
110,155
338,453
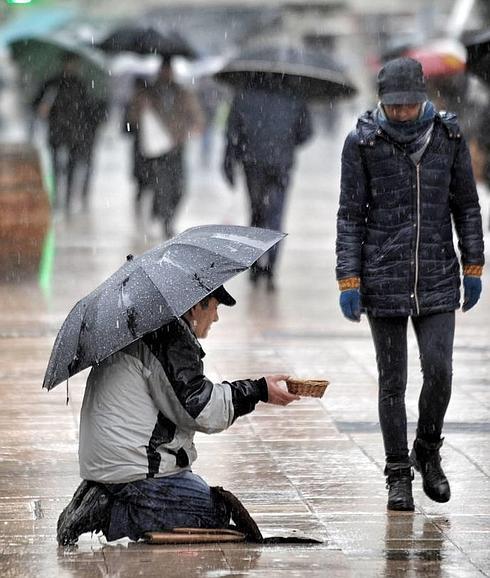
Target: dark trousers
x,y
72,168
167,182
435,336
267,188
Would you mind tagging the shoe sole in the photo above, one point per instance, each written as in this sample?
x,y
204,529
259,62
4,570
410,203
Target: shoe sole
x,y
395,508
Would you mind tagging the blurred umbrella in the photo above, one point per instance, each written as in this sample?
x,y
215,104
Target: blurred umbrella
x,y
39,58
151,290
312,75
478,47
443,57
35,21
147,41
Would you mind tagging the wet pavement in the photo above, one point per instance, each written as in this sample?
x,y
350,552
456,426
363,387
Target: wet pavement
x,y
314,468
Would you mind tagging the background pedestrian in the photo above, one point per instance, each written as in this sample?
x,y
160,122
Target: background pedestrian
x,y
166,115
73,118
265,125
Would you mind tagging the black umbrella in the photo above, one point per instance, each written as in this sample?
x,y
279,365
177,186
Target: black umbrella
x,y
151,290
478,59
141,40
310,74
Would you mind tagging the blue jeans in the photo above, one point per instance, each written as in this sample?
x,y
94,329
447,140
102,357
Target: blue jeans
x,y
182,500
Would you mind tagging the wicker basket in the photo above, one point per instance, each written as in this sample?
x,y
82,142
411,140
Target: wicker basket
x,y
307,387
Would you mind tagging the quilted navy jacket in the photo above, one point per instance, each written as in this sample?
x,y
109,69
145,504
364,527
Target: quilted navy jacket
x,y
394,224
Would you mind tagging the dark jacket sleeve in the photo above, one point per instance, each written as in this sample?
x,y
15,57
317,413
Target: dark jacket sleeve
x,y
351,216
180,358
234,132
45,87
246,393
304,128
465,207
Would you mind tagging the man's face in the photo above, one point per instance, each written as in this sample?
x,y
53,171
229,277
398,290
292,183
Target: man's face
x,y
204,316
402,112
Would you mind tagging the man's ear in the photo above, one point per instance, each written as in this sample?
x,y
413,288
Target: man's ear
x,y
190,312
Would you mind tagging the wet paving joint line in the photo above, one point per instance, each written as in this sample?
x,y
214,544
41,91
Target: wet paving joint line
x,y
447,537
106,571
36,509
472,348
472,462
369,367
450,427
270,454
454,427
320,335
477,399
43,332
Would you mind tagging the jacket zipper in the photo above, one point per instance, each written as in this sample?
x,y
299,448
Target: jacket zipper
x,y
379,132
417,243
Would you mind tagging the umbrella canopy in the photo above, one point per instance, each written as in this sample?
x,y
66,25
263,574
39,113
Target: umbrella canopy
x,y
478,48
443,57
35,21
310,74
151,290
147,41
39,58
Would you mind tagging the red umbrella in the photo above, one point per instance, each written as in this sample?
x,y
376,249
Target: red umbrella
x,y
443,57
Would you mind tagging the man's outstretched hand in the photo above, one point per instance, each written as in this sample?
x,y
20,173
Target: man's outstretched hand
x,y
278,395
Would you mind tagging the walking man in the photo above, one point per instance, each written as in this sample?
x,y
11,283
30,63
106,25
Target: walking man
x,y
406,179
165,115
73,118
265,125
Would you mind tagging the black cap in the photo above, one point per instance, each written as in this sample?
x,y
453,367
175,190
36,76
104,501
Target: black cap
x,y
222,296
401,81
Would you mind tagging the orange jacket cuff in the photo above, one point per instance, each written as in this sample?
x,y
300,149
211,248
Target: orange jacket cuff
x,y
349,283
473,270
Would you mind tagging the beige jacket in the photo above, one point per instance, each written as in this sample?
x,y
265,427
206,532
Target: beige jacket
x,y
177,107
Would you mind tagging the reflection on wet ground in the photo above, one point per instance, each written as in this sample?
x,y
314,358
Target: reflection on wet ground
x,y
314,468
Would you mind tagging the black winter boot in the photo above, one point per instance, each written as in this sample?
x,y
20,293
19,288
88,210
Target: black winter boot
x,y
399,478
88,511
69,510
425,458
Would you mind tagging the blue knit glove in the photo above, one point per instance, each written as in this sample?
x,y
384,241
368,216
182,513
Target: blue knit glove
x,y
472,291
350,303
